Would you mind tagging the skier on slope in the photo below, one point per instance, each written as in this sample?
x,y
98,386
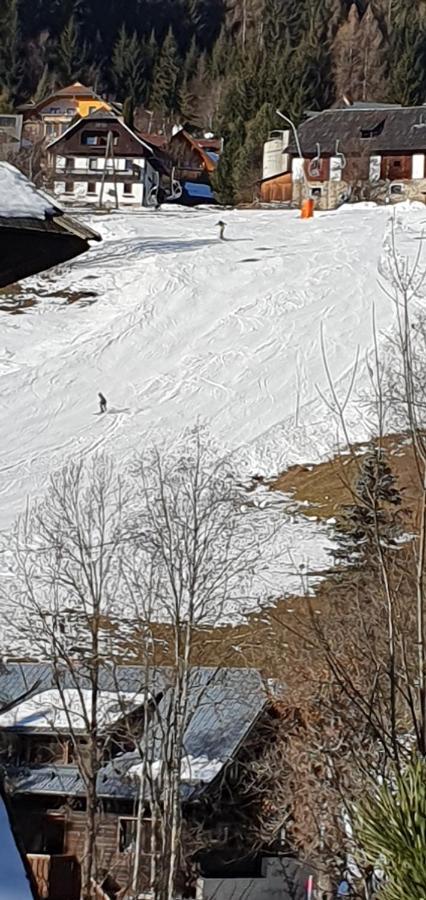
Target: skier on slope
x,y
102,403
221,230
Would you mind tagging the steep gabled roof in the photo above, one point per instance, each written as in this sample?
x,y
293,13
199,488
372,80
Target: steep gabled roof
x,y
74,91
103,116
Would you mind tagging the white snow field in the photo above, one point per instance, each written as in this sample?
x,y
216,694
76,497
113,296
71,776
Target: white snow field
x,y
185,328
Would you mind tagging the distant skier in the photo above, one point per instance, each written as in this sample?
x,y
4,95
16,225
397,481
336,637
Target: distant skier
x,y
221,230
102,403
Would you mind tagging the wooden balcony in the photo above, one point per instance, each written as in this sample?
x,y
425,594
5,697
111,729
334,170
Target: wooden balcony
x,y
57,877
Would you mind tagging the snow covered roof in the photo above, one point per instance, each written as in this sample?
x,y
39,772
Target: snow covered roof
x,y
14,873
56,711
20,199
223,706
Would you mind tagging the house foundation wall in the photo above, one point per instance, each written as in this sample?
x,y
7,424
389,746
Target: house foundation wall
x,y
281,879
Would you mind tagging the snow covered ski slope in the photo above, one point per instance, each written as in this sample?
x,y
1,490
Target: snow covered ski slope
x,y
175,326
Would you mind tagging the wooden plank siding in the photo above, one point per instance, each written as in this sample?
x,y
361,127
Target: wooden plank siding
x,y
396,168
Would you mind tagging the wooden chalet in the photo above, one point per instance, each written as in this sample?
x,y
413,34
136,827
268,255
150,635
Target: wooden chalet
x,y
51,116
195,159
34,232
363,151
100,161
231,719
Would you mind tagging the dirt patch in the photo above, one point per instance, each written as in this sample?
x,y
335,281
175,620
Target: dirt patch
x,y
322,490
14,300
83,297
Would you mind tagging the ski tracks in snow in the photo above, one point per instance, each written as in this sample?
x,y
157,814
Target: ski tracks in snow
x,y
187,328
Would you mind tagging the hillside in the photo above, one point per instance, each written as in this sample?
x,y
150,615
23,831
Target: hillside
x,y
221,65
175,328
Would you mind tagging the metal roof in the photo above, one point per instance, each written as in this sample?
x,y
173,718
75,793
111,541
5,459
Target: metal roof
x,y
223,706
377,129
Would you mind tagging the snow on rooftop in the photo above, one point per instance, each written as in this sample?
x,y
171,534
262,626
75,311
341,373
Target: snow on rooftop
x,y
19,198
48,711
194,770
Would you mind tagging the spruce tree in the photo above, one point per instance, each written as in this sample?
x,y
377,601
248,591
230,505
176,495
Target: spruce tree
x,y
407,59
71,53
165,92
11,66
372,517
128,67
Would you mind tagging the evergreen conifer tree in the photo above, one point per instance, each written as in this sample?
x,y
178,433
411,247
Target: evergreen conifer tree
x,y
128,67
71,53
165,91
372,517
11,66
407,55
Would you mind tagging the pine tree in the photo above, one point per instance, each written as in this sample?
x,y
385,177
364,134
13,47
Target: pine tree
x,y
71,53
247,168
11,66
372,517
165,91
407,55
128,67
223,178
44,85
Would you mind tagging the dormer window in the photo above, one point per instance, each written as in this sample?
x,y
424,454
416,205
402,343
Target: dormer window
x,y
374,131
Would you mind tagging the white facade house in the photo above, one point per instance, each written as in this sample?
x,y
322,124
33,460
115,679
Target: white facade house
x,y
100,161
89,184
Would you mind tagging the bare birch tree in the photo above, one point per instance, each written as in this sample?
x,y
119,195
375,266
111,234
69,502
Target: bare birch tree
x,y
192,561
64,570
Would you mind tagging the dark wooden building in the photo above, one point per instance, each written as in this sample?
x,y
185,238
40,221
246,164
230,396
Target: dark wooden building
x,y
34,233
231,718
195,161
360,151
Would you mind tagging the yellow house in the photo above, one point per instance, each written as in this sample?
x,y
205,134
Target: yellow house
x,y
50,117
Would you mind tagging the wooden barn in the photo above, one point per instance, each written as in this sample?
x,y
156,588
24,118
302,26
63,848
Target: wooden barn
x,y
360,151
195,161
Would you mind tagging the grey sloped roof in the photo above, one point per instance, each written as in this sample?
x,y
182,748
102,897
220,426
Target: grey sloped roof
x,y
223,706
398,130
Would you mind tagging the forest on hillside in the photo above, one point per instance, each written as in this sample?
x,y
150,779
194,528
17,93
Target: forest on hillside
x,y
217,65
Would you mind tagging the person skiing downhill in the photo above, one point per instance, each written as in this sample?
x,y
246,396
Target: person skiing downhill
x,y
102,403
221,230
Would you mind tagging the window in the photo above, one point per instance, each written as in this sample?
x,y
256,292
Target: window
x,y
53,834
128,188
69,163
51,128
90,140
93,164
91,187
374,131
126,833
69,187
129,165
